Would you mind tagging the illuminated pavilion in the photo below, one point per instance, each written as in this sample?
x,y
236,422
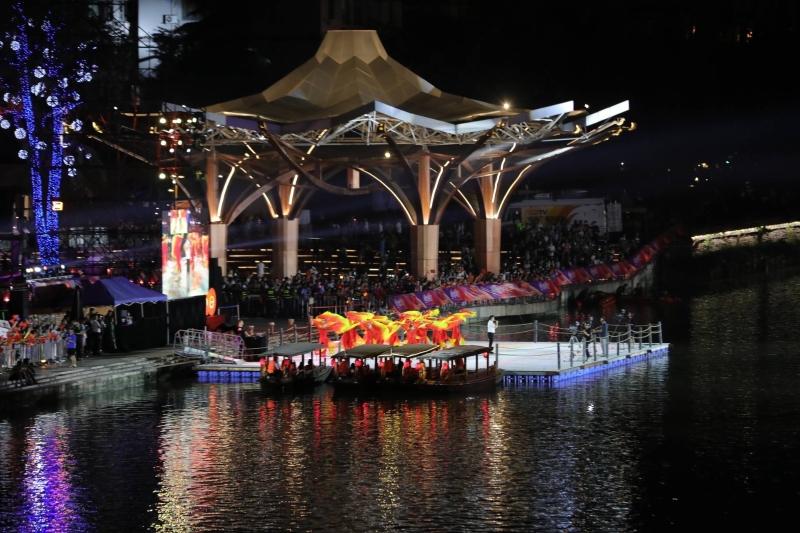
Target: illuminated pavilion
x,y
351,120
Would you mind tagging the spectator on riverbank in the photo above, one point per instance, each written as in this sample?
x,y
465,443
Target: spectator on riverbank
x,y
72,344
109,333
27,373
95,334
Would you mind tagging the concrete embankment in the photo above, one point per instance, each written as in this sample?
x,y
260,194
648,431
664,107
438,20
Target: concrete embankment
x,y
93,375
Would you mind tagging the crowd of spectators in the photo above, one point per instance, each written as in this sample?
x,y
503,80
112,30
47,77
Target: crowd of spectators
x,y
58,338
309,292
536,250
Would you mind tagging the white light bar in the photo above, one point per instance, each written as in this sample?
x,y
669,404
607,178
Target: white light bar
x,y
607,113
552,110
433,124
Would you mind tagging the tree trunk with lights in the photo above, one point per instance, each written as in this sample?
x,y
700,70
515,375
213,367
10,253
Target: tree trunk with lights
x,y
37,99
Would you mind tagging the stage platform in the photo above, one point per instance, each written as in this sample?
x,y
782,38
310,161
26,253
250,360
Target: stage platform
x,y
550,362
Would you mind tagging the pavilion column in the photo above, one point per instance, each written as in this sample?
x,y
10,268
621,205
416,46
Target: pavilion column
x,y
424,186
353,178
487,244
212,196
284,247
424,237
425,250
219,245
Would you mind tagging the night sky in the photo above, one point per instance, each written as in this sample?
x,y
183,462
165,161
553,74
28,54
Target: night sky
x,y
706,84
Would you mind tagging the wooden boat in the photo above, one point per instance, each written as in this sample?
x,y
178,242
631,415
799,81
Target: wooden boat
x,y
459,379
302,381
361,379
408,380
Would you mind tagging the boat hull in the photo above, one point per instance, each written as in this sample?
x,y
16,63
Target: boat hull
x,y
295,385
486,382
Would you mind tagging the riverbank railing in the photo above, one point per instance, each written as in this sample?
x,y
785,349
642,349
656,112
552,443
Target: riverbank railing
x,y
52,350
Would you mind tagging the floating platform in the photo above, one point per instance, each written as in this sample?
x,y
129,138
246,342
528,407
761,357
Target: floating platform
x,y
222,373
522,363
550,363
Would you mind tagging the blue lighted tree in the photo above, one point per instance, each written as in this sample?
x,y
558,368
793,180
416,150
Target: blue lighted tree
x,y
36,105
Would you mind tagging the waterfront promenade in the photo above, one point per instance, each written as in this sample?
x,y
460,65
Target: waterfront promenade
x,y
93,374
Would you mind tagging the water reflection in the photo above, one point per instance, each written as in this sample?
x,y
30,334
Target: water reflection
x,y
37,475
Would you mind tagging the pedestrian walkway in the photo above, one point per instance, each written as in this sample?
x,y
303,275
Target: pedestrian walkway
x,y
92,372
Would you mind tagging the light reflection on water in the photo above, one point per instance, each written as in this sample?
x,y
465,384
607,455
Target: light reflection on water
x,y
237,458
707,431
49,502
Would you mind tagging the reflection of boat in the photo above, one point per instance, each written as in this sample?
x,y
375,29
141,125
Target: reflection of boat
x,y
437,371
304,380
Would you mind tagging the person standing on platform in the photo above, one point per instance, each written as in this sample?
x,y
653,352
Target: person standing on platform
x,y
586,338
491,327
603,330
573,337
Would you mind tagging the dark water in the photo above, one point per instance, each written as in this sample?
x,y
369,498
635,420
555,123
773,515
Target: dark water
x,y
705,438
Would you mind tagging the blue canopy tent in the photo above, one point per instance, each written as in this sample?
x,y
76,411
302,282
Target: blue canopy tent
x,y
118,291
149,327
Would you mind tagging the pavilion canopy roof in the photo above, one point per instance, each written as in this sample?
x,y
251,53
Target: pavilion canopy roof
x,y
351,70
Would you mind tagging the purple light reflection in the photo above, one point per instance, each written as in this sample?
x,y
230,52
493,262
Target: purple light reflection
x,y
49,503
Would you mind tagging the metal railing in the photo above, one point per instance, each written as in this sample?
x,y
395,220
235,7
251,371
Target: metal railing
x,y
293,333
48,351
51,351
577,347
205,345
226,347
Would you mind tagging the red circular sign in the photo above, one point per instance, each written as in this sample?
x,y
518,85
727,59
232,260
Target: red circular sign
x,y
211,302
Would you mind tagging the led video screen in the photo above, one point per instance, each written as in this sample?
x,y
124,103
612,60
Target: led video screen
x,y
184,255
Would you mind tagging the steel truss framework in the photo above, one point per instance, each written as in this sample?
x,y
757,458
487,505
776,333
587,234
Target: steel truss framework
x,y
366,130
477,164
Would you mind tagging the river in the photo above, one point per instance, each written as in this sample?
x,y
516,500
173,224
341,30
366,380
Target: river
x,y
706,437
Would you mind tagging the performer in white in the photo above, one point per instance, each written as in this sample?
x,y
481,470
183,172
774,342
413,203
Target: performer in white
x,y
491,327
